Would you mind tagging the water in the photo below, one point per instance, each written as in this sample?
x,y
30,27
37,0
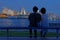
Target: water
x,y
18,23
14,22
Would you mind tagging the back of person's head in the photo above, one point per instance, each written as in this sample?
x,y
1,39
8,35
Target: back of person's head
x,y
35,9
43,10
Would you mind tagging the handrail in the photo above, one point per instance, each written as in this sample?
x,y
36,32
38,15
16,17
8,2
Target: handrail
x,y
27,28
7,29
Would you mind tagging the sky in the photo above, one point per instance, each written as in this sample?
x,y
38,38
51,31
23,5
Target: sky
x,y
52,6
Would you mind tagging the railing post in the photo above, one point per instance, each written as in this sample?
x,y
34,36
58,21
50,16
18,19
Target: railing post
x,y
7,33
57,30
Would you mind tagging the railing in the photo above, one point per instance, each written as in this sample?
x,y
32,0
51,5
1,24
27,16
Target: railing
x,y
8,28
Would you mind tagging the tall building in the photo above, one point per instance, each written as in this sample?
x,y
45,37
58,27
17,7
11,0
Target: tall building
x,y
23,12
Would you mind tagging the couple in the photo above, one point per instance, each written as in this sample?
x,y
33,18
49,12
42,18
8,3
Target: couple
x,y
38,19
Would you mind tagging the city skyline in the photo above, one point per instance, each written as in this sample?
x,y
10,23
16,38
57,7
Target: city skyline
x,y
50,5
51,16
12,12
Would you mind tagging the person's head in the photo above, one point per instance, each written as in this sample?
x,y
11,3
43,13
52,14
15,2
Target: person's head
x,y
35,9
43,10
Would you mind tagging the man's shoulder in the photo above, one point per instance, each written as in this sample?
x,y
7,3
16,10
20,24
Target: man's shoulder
x,y
38,14
31,13
35,14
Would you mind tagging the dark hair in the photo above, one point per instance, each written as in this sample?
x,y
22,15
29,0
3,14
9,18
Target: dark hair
x,y
35,9
43,10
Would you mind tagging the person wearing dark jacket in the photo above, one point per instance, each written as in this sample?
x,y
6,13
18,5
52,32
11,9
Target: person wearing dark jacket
x,y
34,18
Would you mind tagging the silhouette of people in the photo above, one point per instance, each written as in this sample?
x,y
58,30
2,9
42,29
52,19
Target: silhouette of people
x,y
44,21
34,18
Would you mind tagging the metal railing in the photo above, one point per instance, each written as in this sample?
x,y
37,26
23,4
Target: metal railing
x,y
8,28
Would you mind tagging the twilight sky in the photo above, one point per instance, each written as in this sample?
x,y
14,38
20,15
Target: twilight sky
x,y
52,6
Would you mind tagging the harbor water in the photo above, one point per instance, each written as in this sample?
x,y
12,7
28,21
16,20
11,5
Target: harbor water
x,y
21,22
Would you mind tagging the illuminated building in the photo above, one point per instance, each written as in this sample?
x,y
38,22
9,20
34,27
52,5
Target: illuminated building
x,y
23,12
5,10
8,12
52,17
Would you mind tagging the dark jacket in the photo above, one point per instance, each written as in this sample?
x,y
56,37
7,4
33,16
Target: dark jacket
x,y
34,18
